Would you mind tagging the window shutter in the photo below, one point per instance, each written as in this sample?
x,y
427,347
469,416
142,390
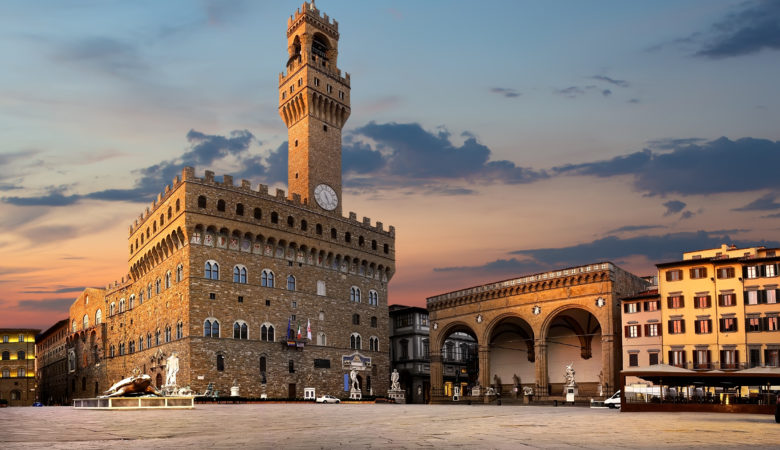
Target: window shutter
x,y
709,356
722,358
764,323
709,301
659,328
626,330
638,331
761,270
682,301
762,297
744,272
684,356
669,302
736,358
720,300
671,327
625,307
647,329
721,324
682,325
671,358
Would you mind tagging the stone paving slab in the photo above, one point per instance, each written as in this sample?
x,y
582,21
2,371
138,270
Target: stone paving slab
x,y
309,426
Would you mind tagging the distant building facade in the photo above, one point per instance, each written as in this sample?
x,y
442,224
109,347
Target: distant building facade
x,y
643,330
17,366
52,364
232,279
720,308
410,350
529,328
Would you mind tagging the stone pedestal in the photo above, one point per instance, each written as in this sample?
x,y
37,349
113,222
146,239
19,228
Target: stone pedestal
x,y
355,394
234,391
570,392
397,395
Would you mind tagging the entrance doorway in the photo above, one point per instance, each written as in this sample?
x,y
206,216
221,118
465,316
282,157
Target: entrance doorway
x,y
291,391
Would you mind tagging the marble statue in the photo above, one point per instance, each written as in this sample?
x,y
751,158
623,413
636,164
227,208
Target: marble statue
x,y
353,378
172,368
135,385
394,385
569,375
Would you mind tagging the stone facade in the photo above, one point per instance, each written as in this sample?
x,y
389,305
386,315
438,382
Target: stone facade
x,y
218,270
529,328
52,364
17,366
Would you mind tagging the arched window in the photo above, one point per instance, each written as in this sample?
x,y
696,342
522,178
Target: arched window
x,y
373,322
73,325
290,283
179,273
162,218
98,317
354,294
355,319
239,209
373,244
290,221
361,241
321,288
20,355
149,291
131,346
258,214
85,321
267,332
141,297
6,373
221,205
354,341
21,373
321,338
220,363
212,270
179,330
333,233
274,217
373,298
167,333
6,355
167,279
131,302
148,340
111,309
263,364
157,286
240,330
318,229
304,225
140,343
111,351
373,344
267,278
121,306
178,205
347,237
201,202
239,274
157,337
211,328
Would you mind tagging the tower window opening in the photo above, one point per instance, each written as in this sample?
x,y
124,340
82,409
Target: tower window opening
x,y
330,89
296,142
319,46
325,128
316,81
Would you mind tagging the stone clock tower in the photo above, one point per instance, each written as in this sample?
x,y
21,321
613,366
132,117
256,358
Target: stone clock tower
x,y
314,104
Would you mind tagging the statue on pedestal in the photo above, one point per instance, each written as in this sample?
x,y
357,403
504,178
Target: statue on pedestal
x,y
171,368
354,380
394,385
569,375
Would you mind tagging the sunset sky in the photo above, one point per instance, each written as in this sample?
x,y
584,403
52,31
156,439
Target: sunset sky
x,y
500,138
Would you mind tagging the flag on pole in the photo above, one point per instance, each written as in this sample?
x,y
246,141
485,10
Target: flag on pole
x,y
288,328
308,329
299,330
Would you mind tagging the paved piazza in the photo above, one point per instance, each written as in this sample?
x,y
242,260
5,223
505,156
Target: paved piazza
x,y
380,426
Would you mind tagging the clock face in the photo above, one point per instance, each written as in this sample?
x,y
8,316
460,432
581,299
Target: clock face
x,y
326,197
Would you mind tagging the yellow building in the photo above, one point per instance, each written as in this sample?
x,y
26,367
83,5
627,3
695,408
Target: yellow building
x,y
719,307
17,366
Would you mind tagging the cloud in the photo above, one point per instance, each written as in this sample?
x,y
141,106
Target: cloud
x,y
717,166
619,83
765,203
606,92
104,54
205,151
658,248
628,228
59,289
755,27
686,215
672,143
49,304
506,92
673,207
634,100
571,91
406,154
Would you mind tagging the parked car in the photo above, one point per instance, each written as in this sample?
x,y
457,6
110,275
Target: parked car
x,y
327,399
614,401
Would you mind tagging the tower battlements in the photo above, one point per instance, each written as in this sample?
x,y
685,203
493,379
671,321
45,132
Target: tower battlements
x,y
295,64
245,187
309,11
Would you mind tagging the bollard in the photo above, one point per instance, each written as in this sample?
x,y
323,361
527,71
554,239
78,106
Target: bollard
x,y
555,402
